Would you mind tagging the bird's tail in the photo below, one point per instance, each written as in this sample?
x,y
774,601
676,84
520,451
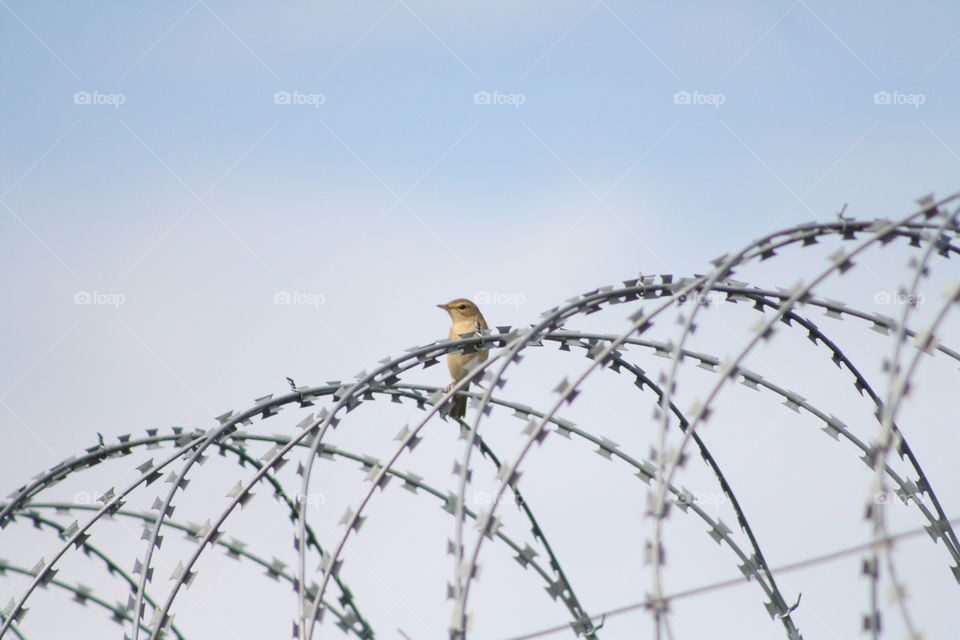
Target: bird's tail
x,y
458,407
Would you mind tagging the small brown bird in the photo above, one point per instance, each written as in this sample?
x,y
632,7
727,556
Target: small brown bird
x,y
466,318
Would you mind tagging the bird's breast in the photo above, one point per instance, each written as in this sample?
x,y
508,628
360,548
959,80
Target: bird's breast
x,y
457,361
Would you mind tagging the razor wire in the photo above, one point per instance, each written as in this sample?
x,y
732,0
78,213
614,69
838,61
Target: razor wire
x,y
567,391
928,229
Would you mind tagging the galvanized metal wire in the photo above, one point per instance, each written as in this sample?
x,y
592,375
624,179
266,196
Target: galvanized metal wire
x,y
317,580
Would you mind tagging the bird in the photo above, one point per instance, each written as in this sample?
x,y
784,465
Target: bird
x,y
465,317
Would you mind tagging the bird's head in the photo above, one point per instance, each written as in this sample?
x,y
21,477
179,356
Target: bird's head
x,y
461,309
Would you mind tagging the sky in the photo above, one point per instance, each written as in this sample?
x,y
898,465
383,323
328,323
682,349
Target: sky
x,y
200,199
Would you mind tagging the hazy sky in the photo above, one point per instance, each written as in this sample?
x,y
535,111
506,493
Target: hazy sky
x,y
172,174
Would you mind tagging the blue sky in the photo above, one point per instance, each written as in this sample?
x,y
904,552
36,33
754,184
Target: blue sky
x,y
628,138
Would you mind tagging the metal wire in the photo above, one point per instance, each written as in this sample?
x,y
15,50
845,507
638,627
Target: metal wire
x,y
933,229
739,580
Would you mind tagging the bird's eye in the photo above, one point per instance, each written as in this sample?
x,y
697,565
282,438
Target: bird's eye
x,y
463,306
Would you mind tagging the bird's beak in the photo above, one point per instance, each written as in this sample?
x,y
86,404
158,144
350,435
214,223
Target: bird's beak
x,y
442,306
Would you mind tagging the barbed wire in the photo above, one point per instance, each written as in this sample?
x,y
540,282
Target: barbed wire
x,y
932,229
736,581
